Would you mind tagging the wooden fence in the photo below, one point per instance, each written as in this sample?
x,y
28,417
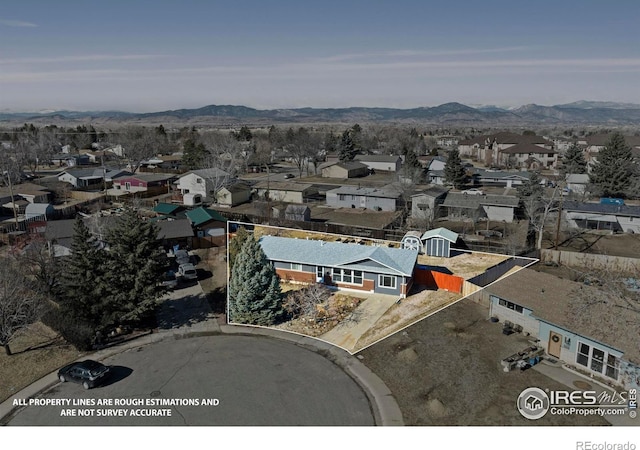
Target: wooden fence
x,y
592,261
432,279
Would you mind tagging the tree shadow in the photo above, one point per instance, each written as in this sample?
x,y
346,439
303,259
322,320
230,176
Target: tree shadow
x,y
186,311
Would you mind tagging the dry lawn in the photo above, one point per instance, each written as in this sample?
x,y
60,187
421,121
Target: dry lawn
x,y
36,353
408,311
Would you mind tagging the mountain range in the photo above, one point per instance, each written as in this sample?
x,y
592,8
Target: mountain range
x,y
577,113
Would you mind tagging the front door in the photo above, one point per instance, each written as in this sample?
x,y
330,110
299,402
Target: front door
x,y
555,341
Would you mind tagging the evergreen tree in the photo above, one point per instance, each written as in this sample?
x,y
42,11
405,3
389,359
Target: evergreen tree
x,y
134,265
454,172
573,161
347,147
193,154
531,188
82,273
254,290
411,167
235,245
616,171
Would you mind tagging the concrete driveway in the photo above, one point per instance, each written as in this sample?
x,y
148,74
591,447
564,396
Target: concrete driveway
x,y
249,380
347,333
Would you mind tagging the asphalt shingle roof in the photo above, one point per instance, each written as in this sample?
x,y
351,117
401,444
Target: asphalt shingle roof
x,y
202,215
449,235
396,261
620,210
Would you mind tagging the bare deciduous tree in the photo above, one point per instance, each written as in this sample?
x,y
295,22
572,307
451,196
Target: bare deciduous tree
x,y
21,302
304,302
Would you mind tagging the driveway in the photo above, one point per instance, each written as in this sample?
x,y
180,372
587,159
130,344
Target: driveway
x,y
255,379
347,333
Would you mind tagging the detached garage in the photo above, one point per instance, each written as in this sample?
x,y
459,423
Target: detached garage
x,y
438,242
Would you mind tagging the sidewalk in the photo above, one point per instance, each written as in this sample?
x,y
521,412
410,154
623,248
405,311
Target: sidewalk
x,y
385,408
576,381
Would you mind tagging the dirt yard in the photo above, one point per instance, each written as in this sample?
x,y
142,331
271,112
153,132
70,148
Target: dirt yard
x,y
625,245
445,370
464,264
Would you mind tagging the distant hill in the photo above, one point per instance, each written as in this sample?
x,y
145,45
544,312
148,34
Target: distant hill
x,y
577,113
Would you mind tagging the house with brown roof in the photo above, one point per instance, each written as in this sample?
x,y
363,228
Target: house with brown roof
x,y
491,150
602,340
346,169
290,192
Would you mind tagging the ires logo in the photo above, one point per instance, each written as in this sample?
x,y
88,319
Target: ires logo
x,y
633,399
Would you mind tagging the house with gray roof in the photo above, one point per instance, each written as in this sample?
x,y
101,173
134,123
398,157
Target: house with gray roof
x,y
603,343
385,198
496,208
386,163
90,177
342,266
598,216
284,191
345,169
500,178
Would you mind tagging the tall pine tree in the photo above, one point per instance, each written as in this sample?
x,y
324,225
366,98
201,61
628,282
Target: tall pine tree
x,y
616,171
454,173
573,161
254,290
134,265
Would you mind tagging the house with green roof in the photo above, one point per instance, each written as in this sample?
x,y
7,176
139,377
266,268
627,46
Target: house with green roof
x,y
342,266
205,220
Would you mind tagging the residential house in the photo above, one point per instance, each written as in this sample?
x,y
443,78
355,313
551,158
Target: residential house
x,y
205,182
577,182
497,208
149,183
279,191
69,160
91,178
205,220
447,141
437,242
233,195
385,163
500,178
436,177
300,213
598,346
598,216
527,156
31,193
385,198
355,267
437,163
489,149
595,143
425,205
41,210
167,210
175,232
349,169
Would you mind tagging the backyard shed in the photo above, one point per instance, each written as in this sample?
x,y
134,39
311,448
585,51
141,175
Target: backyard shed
x,y
437,242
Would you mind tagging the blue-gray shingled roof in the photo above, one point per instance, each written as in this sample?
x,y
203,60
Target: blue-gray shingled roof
x,y
441,232
620,210
395,261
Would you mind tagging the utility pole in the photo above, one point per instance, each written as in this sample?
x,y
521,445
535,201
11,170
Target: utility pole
x,y
13,205
559,220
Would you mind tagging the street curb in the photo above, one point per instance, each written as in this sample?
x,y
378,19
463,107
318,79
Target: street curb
x,y
384,407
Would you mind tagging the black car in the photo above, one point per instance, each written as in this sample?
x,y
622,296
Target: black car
x,y
89,373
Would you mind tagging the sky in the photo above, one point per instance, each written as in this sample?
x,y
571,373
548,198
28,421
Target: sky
x,y
156,55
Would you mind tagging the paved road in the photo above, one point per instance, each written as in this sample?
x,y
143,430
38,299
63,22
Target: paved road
x,y
257,380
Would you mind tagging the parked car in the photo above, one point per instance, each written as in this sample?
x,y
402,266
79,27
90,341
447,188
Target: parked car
x,y
289,175
182,257
473,191
187,272
169,280
89,373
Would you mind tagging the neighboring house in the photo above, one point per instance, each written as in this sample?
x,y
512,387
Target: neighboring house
x,y
597,216
437,242
91,177
527,156
498,208
507,149
380,270
500,178
153,183
167,209
69,160
425,205
233,195
282,191
176,232
350,169
437,163
163,164
42,210
387,163
379,199
595,143
205,182
300,213
32,193
59,235
577,182
436,177
204,220
447,141
543,310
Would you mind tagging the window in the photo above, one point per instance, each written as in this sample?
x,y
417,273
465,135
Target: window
x,y
319,271
612,367
423,207
342,197
510,305
346,276
295,266
336,275
357,277
387,281
127,186
598,360
550,155
199,180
